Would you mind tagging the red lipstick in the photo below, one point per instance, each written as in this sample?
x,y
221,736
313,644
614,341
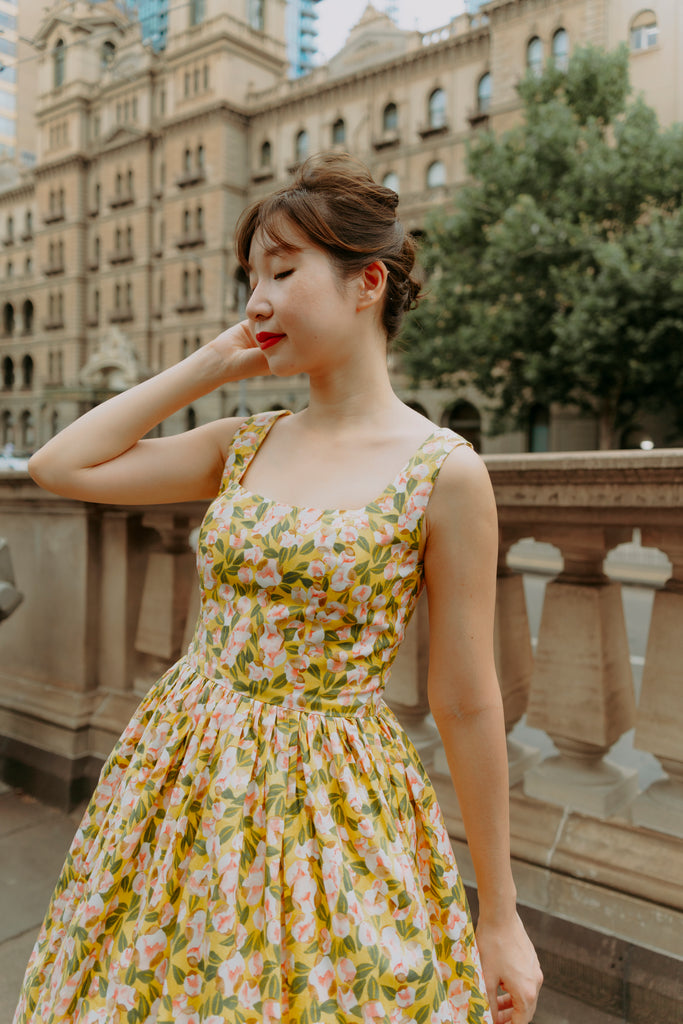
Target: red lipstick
x,y
267,340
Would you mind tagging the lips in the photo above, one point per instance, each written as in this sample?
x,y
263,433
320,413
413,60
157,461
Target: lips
x,y
266,340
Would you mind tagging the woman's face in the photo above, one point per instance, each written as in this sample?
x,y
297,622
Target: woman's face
x,y
300,312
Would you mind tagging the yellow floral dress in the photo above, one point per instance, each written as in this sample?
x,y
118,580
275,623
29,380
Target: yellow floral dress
x,y
264,845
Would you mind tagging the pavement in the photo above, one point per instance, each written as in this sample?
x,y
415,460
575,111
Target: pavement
x,y
34,840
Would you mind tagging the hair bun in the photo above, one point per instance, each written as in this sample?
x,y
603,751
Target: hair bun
x,y
389,197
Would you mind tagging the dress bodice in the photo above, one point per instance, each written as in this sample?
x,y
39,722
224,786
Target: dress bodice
x,y
306,607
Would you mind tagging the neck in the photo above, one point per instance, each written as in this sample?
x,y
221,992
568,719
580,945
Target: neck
x,y
353,395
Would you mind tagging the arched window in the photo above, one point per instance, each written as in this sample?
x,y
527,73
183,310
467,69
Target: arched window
x,y
390,118
534,56
436,174
96,305
191,419
186,284
240,292
60,307
256,14
644,31
186,222
200,157
29,224
129,295
266,154
464,419
390,180
27,432
27,312
197,12
199,282
301,146
27,373
338,132
539,428
130,183
199,219
7,373
8,318
28,266
107,53
58,63
437,109
187,161
7,428
484,89
129,238
10,228
561,49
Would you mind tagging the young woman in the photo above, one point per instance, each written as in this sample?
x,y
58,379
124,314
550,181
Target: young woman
x,y
264,844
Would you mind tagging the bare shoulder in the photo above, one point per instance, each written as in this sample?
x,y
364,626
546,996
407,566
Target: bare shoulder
x,y
462,493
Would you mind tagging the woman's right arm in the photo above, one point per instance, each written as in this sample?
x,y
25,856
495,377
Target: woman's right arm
x,y
104,455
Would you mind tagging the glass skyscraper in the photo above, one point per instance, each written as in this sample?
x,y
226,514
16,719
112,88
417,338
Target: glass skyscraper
x,y
8,78
302,35
153,15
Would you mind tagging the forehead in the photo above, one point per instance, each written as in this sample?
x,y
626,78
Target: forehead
x,y
277,238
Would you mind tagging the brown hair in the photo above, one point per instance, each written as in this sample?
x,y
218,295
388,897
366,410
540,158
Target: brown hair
x,y
335,202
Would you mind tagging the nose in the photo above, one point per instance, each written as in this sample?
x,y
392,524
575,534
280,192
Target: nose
x,y
258,306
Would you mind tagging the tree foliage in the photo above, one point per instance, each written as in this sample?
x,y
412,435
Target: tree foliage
x,y
555,276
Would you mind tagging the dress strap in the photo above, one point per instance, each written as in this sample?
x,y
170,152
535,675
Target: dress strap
x,y
246,441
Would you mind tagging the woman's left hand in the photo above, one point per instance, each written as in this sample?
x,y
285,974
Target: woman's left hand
x,y
509,961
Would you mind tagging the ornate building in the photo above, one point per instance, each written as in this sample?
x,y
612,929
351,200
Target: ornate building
x,y
116,247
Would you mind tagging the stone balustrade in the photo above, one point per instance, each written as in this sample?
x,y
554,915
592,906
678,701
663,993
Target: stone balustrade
x,y
111,599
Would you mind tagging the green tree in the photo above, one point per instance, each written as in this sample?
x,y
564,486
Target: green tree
x,y
556,274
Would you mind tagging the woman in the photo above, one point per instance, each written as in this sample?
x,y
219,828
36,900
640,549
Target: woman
x,y
264,843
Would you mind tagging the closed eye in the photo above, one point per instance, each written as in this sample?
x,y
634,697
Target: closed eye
x,y
283,273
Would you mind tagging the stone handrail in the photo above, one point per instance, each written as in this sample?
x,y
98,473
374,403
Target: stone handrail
x,y
113,599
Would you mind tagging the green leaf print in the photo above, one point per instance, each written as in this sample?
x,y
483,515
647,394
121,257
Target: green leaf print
x,y
300,982
422,1014
217,1003
373,988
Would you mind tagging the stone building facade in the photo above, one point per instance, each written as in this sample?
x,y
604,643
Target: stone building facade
x,y
116,247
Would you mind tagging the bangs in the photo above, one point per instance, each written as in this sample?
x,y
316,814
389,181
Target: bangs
x,y
275,218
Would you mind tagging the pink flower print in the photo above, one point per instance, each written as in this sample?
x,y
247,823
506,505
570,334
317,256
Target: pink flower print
x,y
238,539
367,934
346,998
287,539
271,643
307,518
404,956
303,930
208,576
362,593
268,575
278,612
255,965
322,978
272,1011
229,975
343,578
324,537
150,949
245,575
456,921
249,995
348,532
316,569
224,919
243,606
346,970
405,997
193,985
385,534
119,997
94,907
373,1011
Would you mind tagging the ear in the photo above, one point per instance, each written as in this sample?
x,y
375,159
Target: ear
x,y
372,284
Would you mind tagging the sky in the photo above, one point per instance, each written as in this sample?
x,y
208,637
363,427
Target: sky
x,y
336,17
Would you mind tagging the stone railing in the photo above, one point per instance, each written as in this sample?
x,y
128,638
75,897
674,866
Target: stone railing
x,y
111,600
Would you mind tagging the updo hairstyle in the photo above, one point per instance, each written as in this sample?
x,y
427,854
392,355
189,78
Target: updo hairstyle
x,y
337,205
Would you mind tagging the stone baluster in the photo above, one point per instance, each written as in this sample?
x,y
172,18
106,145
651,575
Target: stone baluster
x,y
513,654
659,727
170,588
582,686
406,692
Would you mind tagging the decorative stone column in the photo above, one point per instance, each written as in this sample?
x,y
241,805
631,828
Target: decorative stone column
x,y
406,692
10,597
170,579
582,686
659,727
513,654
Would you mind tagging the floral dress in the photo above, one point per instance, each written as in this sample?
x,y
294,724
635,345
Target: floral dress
x,y
264,845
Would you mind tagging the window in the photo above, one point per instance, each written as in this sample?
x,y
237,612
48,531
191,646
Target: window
x,y
58,63
187,161
436,174
29,224
644,31
390,118
301,147
256,14
98,194
10,229
28,267
437,109
129,239
7,428
129,295
266,154
338,132
27,373
240,292
186,284
107,54
28,316
206,76
27,432
60,307
191,419
10,268
534,56
200,220
187,83
196,80
539,428
390,180
61,201
561,49
7,374
197,12
186,222
464,419
130,183
96,305
117,296
484,93
8,318
199,282
200,157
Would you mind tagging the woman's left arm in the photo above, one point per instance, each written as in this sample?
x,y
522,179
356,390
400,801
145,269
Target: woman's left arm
x,y
460,559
